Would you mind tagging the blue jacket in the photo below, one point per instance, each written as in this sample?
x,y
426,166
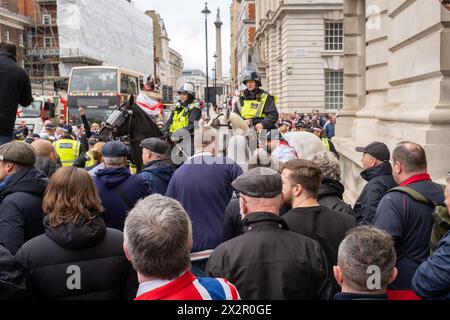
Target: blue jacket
x,y
203,186
116,208
157,175
432,278
409,223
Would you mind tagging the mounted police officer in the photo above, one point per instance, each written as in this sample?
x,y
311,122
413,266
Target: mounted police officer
x,y
185,113
183,120
256,106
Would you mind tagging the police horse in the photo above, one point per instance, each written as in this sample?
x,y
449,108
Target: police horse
x,y
239,142
131,122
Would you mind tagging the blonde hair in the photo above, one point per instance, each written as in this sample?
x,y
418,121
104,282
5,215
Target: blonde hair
x,y
71,194
97,151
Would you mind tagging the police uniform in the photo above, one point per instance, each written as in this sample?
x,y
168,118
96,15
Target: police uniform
x,y
258,105
181,117
67,148
186,113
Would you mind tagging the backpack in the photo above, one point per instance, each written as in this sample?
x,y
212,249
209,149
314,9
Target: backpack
x,y
441,216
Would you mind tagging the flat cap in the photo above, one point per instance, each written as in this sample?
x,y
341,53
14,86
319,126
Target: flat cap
x,y
259,183
115,149
18,152
155,145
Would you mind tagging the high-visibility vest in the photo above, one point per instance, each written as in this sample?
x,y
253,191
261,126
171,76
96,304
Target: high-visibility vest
x,y
326,143
181,117
68,151
91,161
253,108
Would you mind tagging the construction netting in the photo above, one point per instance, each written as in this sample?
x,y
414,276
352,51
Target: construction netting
x,y
113,32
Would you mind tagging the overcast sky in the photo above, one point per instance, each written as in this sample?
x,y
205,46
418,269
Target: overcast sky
x,y
185,25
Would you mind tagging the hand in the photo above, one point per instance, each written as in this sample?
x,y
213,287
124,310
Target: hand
x,y
81,110
259,127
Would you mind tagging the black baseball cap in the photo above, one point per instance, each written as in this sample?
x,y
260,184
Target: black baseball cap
x,y
376,149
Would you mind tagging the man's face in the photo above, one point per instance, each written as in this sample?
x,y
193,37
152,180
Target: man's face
x,y
251,85
145,155
288,190
367,161
95,127
285,128
5,169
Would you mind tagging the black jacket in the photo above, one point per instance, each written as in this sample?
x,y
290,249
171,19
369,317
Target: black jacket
x,y
15,89
326,226
52,259
47,166
330,196
379,180
21,208
270,110
12,277
269,262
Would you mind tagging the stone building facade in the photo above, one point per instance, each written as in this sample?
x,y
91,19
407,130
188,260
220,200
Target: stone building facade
x,y
396,82
299,52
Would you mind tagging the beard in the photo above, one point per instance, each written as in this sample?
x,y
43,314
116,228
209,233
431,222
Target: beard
x,y
287,198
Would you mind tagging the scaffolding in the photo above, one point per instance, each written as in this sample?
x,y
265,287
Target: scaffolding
x,y
42,56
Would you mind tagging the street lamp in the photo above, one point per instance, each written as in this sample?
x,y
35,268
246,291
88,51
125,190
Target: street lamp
x,y
206,12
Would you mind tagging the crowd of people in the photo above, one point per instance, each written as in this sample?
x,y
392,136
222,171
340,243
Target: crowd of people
x,y
76,221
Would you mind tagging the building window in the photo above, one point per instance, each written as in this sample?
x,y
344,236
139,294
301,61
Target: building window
x,y
21,39
7,35
47,42
48,70
334,36
334,89
46,19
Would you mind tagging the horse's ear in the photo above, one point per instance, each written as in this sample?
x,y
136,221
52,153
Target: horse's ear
x,y
130,100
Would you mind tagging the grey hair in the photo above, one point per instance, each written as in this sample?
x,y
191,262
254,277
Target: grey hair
x,y
158,237
362,248
328,164
114,161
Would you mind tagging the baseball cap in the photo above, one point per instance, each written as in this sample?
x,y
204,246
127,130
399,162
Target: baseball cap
x,y
376,149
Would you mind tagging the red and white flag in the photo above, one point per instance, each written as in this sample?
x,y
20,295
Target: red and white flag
x,y
150,106
19,113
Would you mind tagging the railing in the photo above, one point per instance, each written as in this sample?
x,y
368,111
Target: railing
x,y
44,52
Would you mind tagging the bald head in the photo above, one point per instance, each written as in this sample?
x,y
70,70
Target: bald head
x,y
412,157
43,148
